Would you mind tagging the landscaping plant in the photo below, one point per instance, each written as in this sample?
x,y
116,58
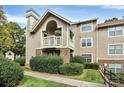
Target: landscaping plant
x,y
45,63
57,32
10,73
71,69
21,61
91,65
76,59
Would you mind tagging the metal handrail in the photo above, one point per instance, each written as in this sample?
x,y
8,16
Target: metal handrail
x,y
111,79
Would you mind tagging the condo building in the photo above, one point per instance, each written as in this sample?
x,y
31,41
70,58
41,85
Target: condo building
x,y
95,42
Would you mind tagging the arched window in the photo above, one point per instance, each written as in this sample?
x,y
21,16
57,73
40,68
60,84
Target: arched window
x,y
51,27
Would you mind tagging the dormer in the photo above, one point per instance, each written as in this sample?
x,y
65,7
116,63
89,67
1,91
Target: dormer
x,y
32,18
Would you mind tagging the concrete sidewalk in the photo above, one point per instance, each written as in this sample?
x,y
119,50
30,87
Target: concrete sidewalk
x,y
62,79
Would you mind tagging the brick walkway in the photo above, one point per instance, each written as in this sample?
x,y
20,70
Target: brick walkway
x,y
62,79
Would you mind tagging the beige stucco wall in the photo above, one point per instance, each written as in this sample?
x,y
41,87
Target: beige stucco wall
x,y
78,35
103,41
32,42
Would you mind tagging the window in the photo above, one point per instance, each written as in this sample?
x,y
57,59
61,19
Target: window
x,y
86,27
71,35
10,54
87,57
116,68
115,31
116,49
86,42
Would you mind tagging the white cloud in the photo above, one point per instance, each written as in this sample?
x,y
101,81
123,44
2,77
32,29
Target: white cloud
x,y
15,18
118,7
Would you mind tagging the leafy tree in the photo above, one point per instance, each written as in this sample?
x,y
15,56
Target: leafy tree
x,y
5,38
2,16
112,19
12,36
18,37
6,41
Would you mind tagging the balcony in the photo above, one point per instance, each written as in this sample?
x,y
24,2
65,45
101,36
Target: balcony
x,y
52,41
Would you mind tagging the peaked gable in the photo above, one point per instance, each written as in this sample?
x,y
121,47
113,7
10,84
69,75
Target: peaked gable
x,y
46,15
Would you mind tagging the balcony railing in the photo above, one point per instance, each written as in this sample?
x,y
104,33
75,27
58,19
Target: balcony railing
x,y
52,41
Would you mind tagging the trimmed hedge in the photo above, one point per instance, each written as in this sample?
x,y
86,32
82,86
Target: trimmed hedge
x,y
76,59
10,73
21,61
44,63
71,69
91,66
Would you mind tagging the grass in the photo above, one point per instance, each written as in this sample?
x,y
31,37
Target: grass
x,y
29,81
121,75
89,75
26,68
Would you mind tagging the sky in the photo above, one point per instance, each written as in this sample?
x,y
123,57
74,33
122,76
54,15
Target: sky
x,y
74,13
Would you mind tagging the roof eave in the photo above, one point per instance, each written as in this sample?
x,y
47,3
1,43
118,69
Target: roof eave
x,y
91,20
110,25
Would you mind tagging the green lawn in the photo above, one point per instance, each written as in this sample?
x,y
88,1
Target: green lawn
x,y
89,75
29,81
121,75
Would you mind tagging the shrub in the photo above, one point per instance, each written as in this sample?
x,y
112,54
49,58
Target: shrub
x,y
91,66
53,64
2,59
76,59
21,61
10,73
48,64
36,63
71,69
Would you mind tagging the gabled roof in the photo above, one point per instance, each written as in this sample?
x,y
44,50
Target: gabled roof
x,y
9,52
111,23
46,14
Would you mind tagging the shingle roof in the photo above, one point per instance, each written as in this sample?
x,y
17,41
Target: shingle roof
x,y
85,21
111,23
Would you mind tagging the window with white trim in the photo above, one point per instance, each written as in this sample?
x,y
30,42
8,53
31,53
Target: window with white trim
x,y
116,68
86,27
116,49
86,42
115,31
87,57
